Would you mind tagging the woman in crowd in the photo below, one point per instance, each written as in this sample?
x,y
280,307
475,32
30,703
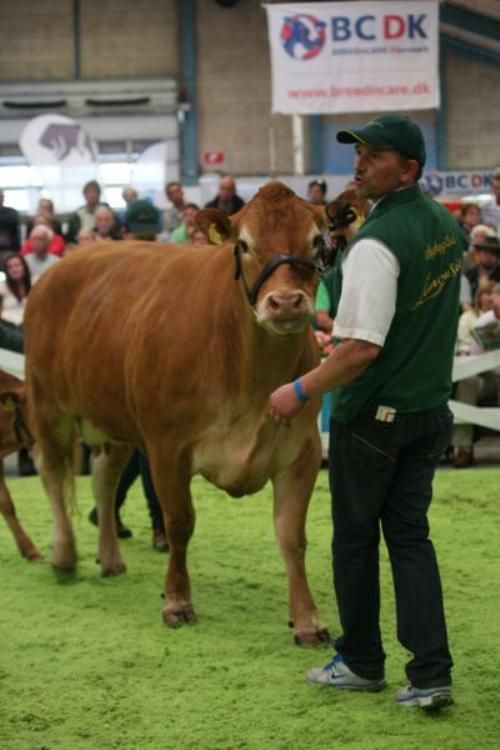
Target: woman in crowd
x,y
15,288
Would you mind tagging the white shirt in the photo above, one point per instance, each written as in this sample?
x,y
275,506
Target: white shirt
x,y
490,214
37,266
370,274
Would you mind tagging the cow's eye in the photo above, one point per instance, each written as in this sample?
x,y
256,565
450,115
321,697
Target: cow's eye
x,y
243,246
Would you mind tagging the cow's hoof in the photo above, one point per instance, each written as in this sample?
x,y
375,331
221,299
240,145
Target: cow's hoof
x,y
174,618
314,639
117,569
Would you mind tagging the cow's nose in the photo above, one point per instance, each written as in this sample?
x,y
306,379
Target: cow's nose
x,y
283,304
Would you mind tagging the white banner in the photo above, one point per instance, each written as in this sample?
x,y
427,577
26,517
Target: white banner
x,y
63,154
354,56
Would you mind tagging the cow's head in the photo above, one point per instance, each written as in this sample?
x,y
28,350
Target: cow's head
x,y
278,244
14,433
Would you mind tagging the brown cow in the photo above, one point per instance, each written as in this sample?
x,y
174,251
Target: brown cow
x,y
14,434
176,350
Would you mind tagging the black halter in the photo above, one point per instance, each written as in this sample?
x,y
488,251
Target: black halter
x,y
269,268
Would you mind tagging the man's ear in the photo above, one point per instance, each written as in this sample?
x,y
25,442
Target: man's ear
x,y
216,225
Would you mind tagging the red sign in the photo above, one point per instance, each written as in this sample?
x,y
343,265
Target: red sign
x,y
213,158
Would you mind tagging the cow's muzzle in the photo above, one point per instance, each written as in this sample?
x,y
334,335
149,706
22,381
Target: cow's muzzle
x,y
285,311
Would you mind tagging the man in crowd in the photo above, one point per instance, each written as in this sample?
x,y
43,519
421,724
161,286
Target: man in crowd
x,y
177,203
84,217
10,227
40,259
487,268
490,211
396,321
227,199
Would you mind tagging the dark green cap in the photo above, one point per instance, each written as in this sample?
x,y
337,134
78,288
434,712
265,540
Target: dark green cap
x,y
142,216
389,131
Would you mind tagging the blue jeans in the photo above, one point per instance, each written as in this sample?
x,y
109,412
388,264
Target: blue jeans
x,y
381,477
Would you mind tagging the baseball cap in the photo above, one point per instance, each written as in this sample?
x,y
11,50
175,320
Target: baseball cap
x,y
142,216
389,131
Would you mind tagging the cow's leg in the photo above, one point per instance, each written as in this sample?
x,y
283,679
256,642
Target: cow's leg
x,y
24,543
171,479
54,456
292,492
106,472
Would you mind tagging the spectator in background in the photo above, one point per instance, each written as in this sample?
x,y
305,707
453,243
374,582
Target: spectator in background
x,y
85,236
15,289
106,225
316,192
14,293
478,234
186,230
478,331
45,208
199,237
40,259
10,227
490,211
470,217
227,199
129,194
83,217
487,268
142,221
176,204
56,245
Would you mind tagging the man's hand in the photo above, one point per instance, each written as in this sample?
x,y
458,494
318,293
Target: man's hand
x,y
284,404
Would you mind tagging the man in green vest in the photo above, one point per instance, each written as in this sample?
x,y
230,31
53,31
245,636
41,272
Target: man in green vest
x,y
390,374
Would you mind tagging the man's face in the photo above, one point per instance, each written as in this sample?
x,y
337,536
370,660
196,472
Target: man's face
x,y
40,243
379,171
175,194
91,196
104,221
227,189
188,215
486,258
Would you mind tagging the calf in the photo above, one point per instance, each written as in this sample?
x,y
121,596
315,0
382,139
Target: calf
x,y
14,434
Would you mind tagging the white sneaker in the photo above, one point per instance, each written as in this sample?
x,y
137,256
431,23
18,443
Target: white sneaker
x,y
337,674
430,699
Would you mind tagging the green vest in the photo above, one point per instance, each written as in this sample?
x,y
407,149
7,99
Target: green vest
x,y
413,370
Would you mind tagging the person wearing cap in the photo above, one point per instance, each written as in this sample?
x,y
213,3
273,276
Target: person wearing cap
x,y
397,287
487,268
490,211
142,220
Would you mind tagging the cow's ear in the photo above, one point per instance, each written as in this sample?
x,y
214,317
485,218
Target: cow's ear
x,y
215,224
9,400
